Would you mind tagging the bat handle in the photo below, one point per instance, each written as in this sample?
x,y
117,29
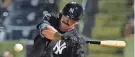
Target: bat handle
x,y
93,42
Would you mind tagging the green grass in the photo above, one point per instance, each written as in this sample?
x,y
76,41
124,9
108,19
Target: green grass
x,y
129,49
104,55
110,19
108,26
105,33
9,45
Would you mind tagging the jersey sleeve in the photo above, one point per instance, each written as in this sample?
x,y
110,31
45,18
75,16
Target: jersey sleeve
x,y
80,51
45,22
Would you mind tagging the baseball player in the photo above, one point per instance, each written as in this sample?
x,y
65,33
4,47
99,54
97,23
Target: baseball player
x,y
58,36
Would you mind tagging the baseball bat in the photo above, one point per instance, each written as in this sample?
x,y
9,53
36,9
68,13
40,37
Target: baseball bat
x,y
112,43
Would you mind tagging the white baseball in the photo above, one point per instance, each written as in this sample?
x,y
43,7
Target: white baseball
x,y
18,47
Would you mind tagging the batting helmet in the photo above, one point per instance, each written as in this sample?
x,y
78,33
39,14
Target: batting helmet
x,y
72,10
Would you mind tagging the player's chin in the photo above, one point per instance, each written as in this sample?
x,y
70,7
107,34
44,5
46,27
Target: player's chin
x,y
65,30
70,29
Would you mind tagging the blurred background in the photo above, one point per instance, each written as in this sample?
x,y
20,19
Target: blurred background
x,y
101,20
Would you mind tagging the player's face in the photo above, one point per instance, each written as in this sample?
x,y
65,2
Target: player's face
x,y
67,24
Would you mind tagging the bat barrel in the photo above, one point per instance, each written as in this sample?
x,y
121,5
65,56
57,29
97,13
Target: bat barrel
x,y
113,43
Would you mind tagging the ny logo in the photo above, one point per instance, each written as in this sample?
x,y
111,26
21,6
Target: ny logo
x,y
59,48
71,10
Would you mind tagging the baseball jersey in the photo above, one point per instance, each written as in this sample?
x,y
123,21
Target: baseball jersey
x,y
44,47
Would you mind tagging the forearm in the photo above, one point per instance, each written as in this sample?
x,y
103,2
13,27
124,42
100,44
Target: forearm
x,y
51,33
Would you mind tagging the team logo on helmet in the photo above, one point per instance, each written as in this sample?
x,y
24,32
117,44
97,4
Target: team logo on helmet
x,y
71,10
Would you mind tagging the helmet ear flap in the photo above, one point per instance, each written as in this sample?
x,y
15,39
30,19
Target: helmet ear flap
x,y
60,15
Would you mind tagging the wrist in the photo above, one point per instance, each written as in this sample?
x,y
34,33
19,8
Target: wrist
x,y
58,36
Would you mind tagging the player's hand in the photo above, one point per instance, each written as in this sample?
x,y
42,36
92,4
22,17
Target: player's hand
x,y
69,37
